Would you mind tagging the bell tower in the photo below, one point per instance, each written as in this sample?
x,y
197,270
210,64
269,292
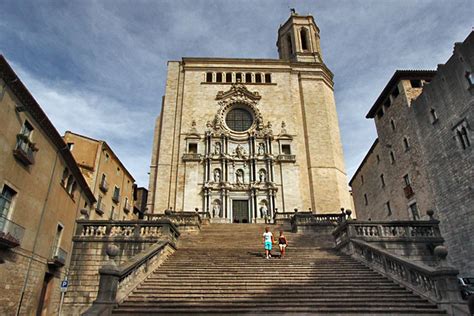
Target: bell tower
x,y
298,39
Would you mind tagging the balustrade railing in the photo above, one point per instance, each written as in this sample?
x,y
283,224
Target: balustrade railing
x,y
11,233
180,219
126,229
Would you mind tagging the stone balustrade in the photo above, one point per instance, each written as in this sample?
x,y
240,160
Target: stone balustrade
x,y
98,229
438,284
116,282
307,221
185,221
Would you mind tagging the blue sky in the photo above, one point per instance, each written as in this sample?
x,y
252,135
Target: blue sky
x,y
99,67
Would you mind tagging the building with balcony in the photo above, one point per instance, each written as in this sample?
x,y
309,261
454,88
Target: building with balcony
x,y
42,192
107,177
423,158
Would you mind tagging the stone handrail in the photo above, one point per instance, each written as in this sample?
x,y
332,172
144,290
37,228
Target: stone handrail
x,y
100,229
116,282
302,218
183,220
415,231
437,284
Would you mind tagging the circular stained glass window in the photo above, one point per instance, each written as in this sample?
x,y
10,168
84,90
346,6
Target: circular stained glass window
x,y
239,119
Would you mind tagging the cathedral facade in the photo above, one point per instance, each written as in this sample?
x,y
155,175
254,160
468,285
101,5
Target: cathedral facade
x,y
245,138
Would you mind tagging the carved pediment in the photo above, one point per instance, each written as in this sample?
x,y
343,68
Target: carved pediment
x,y
238,92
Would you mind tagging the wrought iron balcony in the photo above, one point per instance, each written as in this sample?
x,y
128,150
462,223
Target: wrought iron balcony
x,y
116,198
58,257
24,150
126,207
103,186
99,208
408,191
11,234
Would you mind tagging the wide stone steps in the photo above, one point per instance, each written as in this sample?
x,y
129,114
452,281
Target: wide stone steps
x,y
222,270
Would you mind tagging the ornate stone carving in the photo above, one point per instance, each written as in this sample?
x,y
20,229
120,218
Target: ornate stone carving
x,y
238,92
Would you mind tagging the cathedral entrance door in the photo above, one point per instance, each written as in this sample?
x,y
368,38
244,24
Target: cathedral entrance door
x,y
240,211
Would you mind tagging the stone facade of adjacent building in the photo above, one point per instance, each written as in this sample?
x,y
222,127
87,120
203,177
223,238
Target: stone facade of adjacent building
x,y
426,133
391,183
244,138
111,182
445,116
42,192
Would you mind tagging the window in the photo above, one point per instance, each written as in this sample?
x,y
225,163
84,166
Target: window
x,y
286,149
387,102
208,76
463,137
406,144
362,179
70,184
378,158
382,180
248,77
415,83
24,150
406,179
290,44
366,201
238,77
380,113
6,200
268,78
414,212
388,208
392,157
239,119
395,92
64,177
116,196
433,116
258,78
70,146
112,213
219,77
192,148
304,39
107,157
228,77
57,240
470,78
392,124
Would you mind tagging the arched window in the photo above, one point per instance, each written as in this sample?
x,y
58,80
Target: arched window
x,y
289,43
304,39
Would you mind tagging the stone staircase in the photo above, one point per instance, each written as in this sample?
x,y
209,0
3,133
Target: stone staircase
x,y
222,270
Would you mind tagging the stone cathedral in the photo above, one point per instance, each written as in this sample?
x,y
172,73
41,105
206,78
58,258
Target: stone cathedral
x,y
242,139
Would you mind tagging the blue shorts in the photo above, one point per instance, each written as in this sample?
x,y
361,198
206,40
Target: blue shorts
x,y
268,245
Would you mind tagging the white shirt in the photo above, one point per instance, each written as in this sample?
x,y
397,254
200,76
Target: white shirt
x,y
268,236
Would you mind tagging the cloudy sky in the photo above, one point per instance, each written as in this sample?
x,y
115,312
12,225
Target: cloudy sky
x,y
98,67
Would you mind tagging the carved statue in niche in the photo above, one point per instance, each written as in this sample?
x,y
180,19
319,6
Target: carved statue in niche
x,y
216,209
240,151
262,175
217,148
239,176
261,149
263,211
217,175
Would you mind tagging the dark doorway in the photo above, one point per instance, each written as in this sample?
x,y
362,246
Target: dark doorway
x,y
45,297
240,209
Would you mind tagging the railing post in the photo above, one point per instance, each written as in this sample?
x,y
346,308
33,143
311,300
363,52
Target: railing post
x,y
108,285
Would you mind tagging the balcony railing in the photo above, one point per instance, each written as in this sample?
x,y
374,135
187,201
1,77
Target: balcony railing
x,y
408,191
191,157
286,158
24,150
116,198
99,208
126,207
103,186
11,234
58,257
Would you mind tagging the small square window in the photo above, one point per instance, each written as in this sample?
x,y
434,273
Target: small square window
x,y
209,77
192,148
268,78
415,83
248,77
219,77
228,77
380,113
387,102
286,149
395,92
